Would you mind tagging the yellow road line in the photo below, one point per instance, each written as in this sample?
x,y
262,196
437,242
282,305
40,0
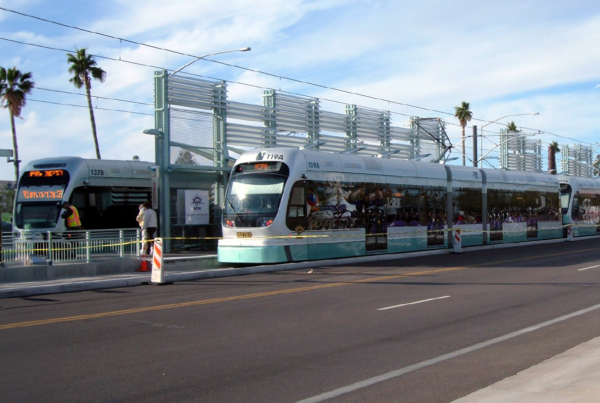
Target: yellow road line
x,y
216,300
266,294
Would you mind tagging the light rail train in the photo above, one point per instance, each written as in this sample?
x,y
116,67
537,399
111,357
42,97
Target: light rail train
x,y
285,205
107,193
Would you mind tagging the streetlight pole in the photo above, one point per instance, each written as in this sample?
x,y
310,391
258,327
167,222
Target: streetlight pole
x,y
210,54
494,121
162,134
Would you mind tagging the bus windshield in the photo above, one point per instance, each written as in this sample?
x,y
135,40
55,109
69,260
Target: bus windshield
x,y
38,197
253,200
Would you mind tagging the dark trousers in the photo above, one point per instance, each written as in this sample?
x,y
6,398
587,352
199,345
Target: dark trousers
x,y
149,238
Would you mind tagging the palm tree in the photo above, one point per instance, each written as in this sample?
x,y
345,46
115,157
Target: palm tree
x,y
82,67
552,150
464,115
14,86
512,127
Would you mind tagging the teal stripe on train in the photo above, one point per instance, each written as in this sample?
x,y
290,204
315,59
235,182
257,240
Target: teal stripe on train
x,y
277,254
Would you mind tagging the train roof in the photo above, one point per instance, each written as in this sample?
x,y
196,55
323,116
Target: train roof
x,y
82,167
500,176
352,163
579,182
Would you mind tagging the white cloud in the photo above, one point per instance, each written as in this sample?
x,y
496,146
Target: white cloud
x,y
505,58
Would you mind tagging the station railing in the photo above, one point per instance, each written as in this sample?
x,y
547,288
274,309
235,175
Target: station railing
x,y
72,246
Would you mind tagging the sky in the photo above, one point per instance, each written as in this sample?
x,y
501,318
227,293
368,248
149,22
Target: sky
x,y
504,58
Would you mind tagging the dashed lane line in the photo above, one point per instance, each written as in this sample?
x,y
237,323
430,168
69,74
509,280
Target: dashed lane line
x,y
412,303
271,293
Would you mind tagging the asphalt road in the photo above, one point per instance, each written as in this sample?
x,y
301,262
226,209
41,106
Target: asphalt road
x,y
453,324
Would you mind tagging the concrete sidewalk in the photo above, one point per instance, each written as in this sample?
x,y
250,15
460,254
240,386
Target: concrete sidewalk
x,y
573,376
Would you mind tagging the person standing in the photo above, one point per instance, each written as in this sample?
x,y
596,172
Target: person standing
x,y
140,220
148,226
71,214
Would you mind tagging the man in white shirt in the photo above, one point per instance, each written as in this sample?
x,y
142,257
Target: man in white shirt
x,y
148,226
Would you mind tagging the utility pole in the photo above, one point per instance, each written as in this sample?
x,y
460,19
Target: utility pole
x,y
475,146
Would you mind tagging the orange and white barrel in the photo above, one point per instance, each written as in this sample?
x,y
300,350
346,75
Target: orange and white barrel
x,y
158,275
457,241
569,233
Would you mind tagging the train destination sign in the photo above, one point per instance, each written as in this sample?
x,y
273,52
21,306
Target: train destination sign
x,y
46,174
55,194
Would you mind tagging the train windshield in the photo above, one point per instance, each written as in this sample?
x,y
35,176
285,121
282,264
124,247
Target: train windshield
x,y
39,195
254,194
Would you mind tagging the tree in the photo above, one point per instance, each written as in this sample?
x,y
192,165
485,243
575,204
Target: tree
x,y
512,127
552,150
14,86
185,157
83,67
7,197
596,165
464,115
135,158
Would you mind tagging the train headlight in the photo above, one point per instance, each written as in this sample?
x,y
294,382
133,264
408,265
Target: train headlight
x,y
229,223
264,222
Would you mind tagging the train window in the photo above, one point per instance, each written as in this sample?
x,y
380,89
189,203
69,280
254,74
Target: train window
x,y
586,209
521,209
467,206
565,198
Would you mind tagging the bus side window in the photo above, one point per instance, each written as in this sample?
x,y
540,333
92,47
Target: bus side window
x,y
296,211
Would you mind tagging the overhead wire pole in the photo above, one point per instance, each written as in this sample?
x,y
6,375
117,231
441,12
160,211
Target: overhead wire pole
x,y
496,120
475,146
246,49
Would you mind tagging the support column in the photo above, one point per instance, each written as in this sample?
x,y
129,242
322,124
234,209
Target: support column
x,y
351,127
221,153
163,155
270,102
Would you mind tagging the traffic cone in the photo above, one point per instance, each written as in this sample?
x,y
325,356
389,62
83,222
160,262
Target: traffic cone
x,y
144,266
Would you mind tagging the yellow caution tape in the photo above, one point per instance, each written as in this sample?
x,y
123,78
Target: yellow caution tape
x,y
289,236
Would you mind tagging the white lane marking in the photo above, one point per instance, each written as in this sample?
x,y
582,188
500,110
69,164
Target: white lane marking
x,y
413,303
591,267
436,360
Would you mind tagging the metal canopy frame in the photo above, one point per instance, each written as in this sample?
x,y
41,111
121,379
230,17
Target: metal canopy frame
x,y
283,120
577,160
519,153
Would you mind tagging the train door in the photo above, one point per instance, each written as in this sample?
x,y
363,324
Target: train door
x,y
565,200
375,219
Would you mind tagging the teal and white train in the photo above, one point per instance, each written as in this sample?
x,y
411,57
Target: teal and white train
x,y
580,198
285,205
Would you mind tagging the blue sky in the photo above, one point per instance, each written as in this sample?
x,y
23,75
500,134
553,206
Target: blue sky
x,y
509,57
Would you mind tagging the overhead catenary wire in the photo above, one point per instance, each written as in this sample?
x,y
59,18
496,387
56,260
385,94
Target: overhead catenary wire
x,y
231,65
198,75
246,69
95,96
85,106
